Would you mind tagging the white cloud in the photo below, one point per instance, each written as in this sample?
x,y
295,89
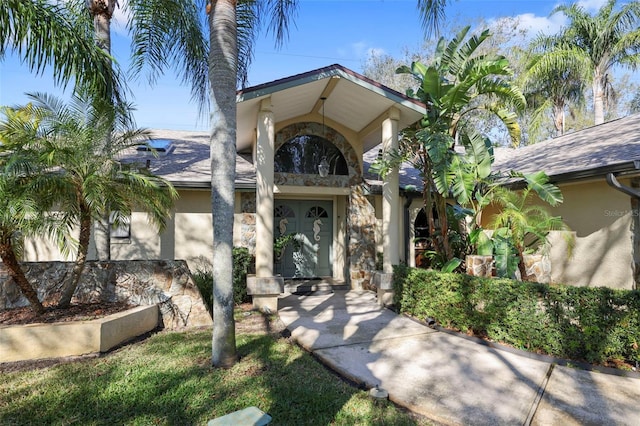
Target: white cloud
x,y
541,24
591,5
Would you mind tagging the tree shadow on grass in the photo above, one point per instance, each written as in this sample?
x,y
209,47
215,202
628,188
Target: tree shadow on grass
x,y
169,380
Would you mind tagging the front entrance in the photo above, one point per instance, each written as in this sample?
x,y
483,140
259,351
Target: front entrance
x,y
311,255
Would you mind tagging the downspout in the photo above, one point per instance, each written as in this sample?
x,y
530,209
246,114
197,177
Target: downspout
x,y
635,204
613,182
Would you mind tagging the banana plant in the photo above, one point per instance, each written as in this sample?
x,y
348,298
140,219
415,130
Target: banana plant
x,y
457,85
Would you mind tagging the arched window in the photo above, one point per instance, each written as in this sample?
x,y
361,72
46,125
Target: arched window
x,y
303,154
283,211
316,212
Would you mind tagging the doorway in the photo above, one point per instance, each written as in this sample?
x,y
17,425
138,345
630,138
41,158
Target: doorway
x,y
311,253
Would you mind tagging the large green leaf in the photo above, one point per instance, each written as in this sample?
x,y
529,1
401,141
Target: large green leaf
x,y
548,192
504,253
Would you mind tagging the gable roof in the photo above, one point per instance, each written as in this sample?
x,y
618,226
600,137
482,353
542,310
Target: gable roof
x,y
353,100
612,147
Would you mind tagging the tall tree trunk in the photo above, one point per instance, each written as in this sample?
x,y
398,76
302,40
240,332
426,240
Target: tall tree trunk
x,y
558,119
598,98
222,76
8,256
102,11
83,247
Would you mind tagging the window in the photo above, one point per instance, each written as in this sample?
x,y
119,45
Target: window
x,y
302,154
160,146
316,212
119,232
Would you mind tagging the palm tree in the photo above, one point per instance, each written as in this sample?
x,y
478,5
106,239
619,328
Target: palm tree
x,y
231,36
85,177
24,197
19,216
552,90
523,224
456,86
432,13
595,44
45,34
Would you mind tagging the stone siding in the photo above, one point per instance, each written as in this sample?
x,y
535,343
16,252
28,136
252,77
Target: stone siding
x,y
248,221
139,282
361,228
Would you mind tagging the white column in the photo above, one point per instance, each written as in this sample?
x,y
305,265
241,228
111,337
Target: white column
x,y
264,190
390,196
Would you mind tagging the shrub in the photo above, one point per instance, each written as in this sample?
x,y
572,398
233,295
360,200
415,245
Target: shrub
x,y
582,323
203,278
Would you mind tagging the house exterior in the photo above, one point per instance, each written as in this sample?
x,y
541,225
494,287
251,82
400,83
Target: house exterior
x,y
598,171
328,117
304,147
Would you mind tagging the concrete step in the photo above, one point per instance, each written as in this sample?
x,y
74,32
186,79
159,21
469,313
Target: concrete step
x,y
313,285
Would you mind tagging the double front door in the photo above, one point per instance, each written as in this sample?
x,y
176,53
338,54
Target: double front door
x,y
310,253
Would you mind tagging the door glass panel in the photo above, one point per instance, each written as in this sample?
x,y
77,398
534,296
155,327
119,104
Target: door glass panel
x,y
316,212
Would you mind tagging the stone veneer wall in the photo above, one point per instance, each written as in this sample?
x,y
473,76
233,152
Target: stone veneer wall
x,y
248,225
361,228
138,282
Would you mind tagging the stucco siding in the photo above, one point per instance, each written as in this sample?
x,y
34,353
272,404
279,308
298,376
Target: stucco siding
x,y
600,218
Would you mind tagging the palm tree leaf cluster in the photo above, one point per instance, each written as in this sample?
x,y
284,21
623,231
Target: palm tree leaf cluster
x,y
585,52
59,175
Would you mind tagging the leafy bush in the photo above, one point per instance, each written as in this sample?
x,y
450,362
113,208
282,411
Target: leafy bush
x,y
203,278
595,325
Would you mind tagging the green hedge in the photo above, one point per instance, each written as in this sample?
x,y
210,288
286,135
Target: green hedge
x,y
242,263
595,325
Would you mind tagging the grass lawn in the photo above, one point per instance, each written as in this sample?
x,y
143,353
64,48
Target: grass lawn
x,y
167,380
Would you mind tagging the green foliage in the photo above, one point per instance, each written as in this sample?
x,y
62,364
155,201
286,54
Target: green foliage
x,y
482,242
592,324
47,34
458,85
243,262
281,243
505,253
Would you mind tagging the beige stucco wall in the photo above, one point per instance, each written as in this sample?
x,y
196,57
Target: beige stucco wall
x,y
600,218
188,235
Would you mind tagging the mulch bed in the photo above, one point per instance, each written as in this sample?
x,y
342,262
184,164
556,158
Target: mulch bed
x,y
75,312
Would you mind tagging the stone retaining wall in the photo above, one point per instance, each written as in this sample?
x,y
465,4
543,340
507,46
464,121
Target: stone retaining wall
x,y
138,282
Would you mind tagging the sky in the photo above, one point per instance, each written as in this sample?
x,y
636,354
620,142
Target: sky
x,y
325,32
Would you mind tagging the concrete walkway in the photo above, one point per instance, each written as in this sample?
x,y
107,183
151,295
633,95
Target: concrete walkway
x,y
448,378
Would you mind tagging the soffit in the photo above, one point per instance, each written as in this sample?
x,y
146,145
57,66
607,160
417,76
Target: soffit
x,y
352,100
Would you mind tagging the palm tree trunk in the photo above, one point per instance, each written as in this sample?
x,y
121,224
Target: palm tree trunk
x,y
8,256
222,76
102,11
76,273
598,98
558,119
